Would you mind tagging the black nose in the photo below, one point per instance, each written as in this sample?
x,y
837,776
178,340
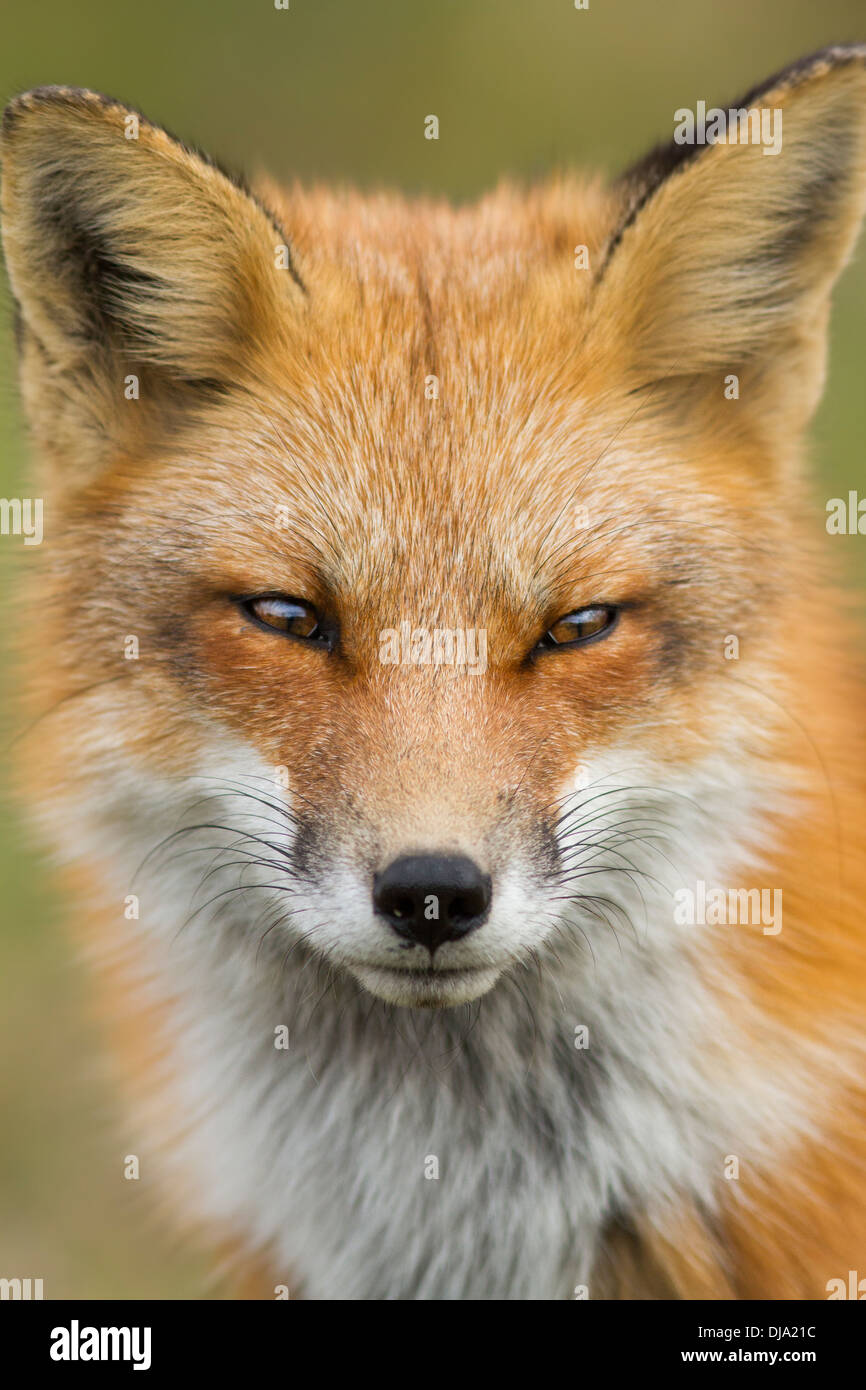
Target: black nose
x,y
431,899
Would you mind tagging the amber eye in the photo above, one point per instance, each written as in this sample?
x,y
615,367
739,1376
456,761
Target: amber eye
x,y
579,627
291,616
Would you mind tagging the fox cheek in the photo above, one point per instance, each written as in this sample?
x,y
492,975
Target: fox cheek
x,y
546,853
308,852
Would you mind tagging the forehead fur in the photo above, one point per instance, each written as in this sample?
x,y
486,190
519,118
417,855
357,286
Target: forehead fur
x,y
436,411
427,404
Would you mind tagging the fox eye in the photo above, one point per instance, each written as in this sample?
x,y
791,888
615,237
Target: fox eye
x,y
291,616
579,627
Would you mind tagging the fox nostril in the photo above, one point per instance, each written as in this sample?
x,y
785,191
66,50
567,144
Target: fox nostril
x,y
431,899
468,905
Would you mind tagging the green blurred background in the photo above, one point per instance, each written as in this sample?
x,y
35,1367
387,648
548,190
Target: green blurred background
x,y
331,89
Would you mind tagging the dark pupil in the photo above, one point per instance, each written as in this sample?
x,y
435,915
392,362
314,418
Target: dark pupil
x,y
576,626
302,624
294,618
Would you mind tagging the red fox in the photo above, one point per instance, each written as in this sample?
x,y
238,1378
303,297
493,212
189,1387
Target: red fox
x,y
443,705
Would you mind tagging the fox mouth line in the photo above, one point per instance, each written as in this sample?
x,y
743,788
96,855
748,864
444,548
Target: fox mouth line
x,y
429,987
431,974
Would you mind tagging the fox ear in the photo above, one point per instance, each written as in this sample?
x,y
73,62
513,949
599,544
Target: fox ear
x,y
726,252
124,247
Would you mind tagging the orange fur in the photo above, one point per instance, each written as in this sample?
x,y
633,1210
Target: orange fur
x,y
262,386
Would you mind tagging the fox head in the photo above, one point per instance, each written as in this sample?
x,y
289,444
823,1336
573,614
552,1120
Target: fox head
x,y
395,553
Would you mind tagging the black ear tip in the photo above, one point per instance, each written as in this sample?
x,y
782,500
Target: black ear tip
x,y
37,99
12,112
824,60
640,180
24,102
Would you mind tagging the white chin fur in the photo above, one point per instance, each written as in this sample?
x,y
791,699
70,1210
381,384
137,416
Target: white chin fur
x,y
317,1150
